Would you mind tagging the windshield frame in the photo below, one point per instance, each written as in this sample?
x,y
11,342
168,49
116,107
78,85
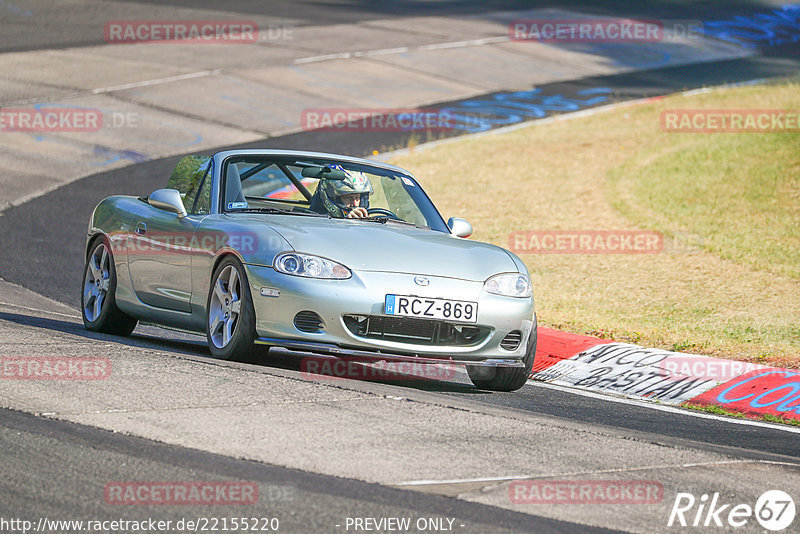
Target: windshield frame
x,y
431,214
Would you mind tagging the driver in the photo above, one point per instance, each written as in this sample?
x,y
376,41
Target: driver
x,y
348,197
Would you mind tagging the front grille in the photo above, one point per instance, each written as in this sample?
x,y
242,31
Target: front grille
x,y
512,340
308,321
415,331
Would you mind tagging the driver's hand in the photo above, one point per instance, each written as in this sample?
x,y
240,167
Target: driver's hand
x,y
358,213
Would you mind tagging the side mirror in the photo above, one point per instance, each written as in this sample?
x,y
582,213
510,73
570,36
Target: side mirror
x,y
168,200
459,227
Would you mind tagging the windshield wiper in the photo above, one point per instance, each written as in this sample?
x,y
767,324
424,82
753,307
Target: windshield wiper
x,y
278,211
384,219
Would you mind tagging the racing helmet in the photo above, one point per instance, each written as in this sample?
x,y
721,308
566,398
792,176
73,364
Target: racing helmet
x,y
353,182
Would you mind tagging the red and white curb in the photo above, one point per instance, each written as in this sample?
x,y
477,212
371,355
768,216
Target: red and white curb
x,y
670,378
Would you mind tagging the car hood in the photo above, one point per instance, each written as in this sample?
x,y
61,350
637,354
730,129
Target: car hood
x,y
391,247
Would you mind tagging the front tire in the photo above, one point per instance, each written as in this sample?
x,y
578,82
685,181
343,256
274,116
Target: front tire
x,y
98,298
506,378
230,317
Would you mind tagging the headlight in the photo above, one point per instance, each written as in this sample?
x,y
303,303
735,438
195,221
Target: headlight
x,y
310,266
509,285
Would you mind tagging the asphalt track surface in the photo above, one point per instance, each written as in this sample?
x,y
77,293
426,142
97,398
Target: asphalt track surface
x,y
47,234
74,26
303,502
59,468
682,429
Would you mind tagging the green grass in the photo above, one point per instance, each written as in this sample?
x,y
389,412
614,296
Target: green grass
x,y
739,192
775,419
713,408
716,410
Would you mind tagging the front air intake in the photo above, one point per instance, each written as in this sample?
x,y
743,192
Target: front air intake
x,y
415,331
512,340
309,321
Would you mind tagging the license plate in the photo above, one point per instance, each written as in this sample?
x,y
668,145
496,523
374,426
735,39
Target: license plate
x,y
449,310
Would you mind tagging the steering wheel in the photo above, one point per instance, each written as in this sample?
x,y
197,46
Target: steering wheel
x,y
382,211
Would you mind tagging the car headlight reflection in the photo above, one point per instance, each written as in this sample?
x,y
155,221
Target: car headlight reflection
x,y
509,285
310,266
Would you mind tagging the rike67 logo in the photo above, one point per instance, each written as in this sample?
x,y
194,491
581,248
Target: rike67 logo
x,y
774,510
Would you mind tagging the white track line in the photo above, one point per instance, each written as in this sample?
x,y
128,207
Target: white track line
x,y
384,51
28,308
587,473
402,50
325,57
669,409
464,44
157,81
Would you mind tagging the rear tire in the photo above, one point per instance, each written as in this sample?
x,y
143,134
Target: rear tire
x,y
98,298
505,378
230,316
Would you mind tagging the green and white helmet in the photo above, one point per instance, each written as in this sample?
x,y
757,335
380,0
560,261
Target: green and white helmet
x,y
354,182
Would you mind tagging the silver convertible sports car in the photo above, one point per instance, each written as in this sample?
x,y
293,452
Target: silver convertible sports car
x,y
312,252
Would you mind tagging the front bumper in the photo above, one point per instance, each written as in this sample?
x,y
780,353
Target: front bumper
x,y
364,294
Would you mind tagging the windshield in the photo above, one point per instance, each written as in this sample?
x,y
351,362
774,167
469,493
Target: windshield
x,y
332,188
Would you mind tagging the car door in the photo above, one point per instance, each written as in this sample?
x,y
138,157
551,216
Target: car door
x,y
161,243
159,259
